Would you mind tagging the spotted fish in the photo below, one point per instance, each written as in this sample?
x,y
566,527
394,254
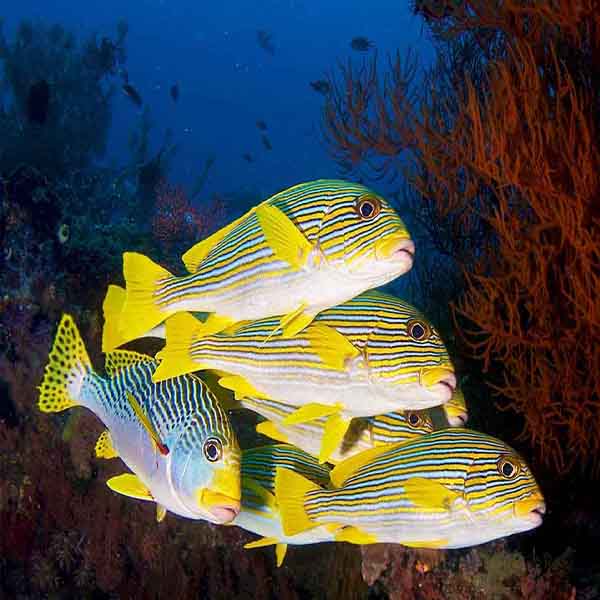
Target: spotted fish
x,y
260,513
372,355
299,252
174,436
452,488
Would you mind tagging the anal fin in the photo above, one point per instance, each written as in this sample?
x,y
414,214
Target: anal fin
x,y
280,550
161,512
354,535
310,412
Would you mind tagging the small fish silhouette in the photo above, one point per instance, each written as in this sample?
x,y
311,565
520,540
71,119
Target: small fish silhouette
x,y
361,44
321,86
265,41
175,92
266,142
132,94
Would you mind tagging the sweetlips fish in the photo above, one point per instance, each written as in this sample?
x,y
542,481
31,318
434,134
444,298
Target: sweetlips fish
x,y
174,436
452,488
299,252
260,513
455,409
362,434
372,355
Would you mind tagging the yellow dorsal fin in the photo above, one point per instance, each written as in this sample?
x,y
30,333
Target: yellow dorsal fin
x,y
269,429
330,345
197,253
354,535
290,492
428,494
175,358
310,412
116,360
68,367
141,415
440,543
112,307
343,470
286,241
336,427
260,491
130,485
104,447
280,551
141,311
240,386
161,513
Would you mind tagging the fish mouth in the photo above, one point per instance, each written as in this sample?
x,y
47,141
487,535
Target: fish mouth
x,y
439,380
457,420
398,248
221,507
531,509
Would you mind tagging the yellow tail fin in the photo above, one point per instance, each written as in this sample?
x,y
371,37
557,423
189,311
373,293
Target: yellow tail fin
x,y
290,492
112,307
67,368
175,358
141,312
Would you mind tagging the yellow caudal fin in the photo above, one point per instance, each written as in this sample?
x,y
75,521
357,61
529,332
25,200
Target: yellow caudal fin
x,y
286,241
104,446
141,313
330,345
175,358
269,429
333,436
129,485
112,307
348,467
310,412
67,369
290,492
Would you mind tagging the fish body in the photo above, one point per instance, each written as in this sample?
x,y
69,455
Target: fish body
x,y
300,252
174,436
452,488
362,434
132,94
259,513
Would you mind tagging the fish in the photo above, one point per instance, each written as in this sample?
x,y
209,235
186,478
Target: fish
x,y
455,409
261,125
38,102
174,91
452,488
265,41
174,436
247,157
361,44
321,86
299,252
132,94
362,433
259,513
371,355
266,142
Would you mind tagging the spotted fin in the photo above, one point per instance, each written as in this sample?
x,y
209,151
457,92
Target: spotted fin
x,y
112,307
241,387
290,492
161,513
354,535
123,359
310,412
333,436
428,494
104,447
141,312
162,448
331,346
286,241
269,429
67,369
348,467
129,485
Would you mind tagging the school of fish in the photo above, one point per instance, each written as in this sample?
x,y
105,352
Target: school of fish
x,y
277,314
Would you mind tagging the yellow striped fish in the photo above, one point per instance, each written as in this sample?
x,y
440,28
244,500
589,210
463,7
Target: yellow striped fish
x,y
260,513
369,356
301,251
452,488
362,434
174,435
455,409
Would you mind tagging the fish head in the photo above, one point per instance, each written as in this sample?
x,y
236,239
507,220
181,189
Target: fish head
x,y
399,426
456,409
363,235
500,492
206,473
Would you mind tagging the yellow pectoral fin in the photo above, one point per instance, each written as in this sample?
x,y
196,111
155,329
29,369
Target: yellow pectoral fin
x,y
290,491
130,485
330,345
269,429
310,412
354,535
261,543
425,493
280,551
348,467
104,447
241,387
294,322
113,304
259,491
333,436
161,512
441,543
286,241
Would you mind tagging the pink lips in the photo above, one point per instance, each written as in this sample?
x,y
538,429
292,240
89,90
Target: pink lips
x,y
406,249
224,514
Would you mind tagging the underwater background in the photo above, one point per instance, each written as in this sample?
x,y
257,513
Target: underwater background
x,y
147,126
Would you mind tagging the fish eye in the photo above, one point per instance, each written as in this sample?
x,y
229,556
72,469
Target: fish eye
x,y
368,207
213,449
414,419
508,467
418,330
